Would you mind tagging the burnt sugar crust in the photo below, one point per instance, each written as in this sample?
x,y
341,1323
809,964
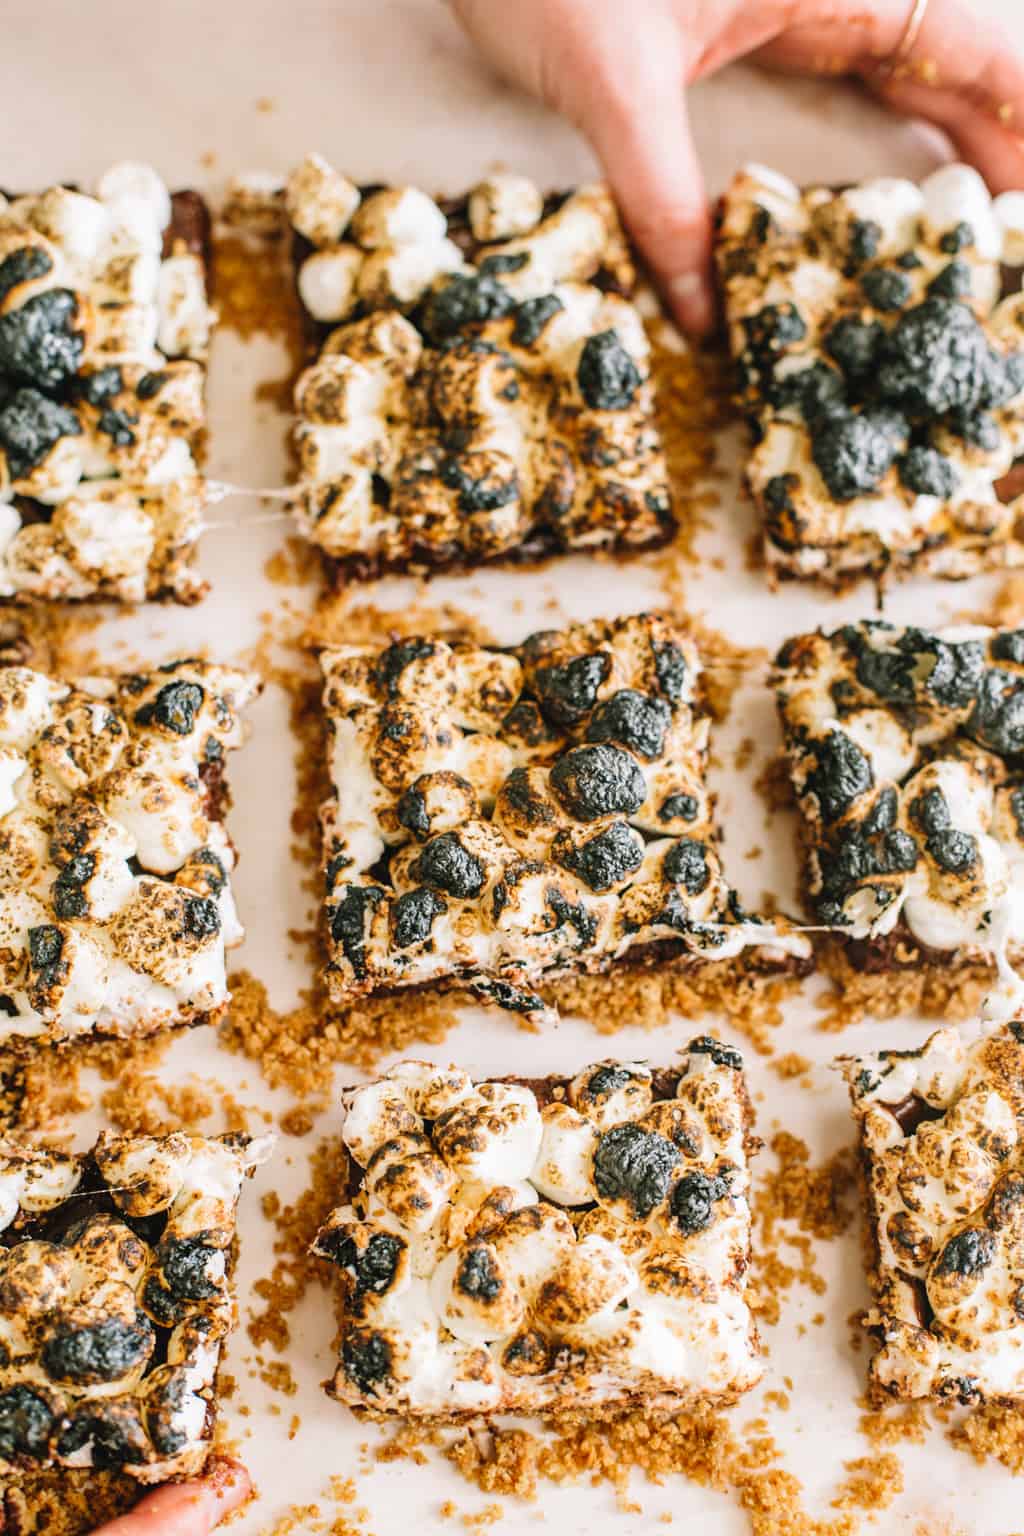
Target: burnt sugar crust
x,y
104,325
115,863
905,751
878,334
527,1246
941,1131
481,388
115,1301
503,817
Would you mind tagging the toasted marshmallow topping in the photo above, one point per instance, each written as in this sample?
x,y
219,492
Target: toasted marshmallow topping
x,y
942,1129
544,810
104,326
512,407
87,1306
468,1288
883,366
115,894
904,748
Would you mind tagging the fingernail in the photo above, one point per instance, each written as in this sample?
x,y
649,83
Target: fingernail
x,y
690,298
683,289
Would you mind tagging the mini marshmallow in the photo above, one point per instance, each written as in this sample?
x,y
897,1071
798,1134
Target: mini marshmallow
x,y
957,194
494,1136
402,274
373,1114
409,1180
475,1295
564,1170
503,206
398,216
590,1281
319,201
327,281
185,316
431,1091
611,1091
132,183
75,223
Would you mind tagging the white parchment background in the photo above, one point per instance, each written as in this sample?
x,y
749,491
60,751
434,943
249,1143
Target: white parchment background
x,y
389,89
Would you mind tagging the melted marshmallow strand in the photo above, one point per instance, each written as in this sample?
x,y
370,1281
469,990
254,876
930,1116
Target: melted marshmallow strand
x,y
539,811
115,891
507,1246
481,386
942,1130
878,334
104,326
904,749
110,1340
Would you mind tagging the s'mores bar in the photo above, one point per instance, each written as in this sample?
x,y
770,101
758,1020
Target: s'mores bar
x,y
481,388
104,324
503,817
941,1134
115,864
115,1302
906,752
521,1246
878,333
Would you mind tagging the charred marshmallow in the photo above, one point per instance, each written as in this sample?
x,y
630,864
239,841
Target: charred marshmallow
x,y
115,898
118,1336
543,810
468,1288
517,407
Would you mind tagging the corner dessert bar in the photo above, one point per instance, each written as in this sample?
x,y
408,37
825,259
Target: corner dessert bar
x,y
523,1246
114,1276
481,388
904,748
503,817
941,1131
104,324
878,332
115,863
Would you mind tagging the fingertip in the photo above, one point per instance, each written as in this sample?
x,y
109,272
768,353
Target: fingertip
x,y
230,1481
691,299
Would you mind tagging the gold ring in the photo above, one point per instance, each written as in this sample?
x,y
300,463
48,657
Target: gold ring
x,y
911,33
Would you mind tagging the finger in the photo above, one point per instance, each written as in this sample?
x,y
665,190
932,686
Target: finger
x,y
649,158
962,74
186,1509
965,76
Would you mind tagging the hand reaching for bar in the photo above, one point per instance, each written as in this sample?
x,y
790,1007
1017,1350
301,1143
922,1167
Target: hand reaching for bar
x,y
620,72
186,1509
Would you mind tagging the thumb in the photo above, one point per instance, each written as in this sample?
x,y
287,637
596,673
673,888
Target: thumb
x,y
649,157
186,1509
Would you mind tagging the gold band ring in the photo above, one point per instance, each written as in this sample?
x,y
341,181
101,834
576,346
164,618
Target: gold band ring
x,y
911,33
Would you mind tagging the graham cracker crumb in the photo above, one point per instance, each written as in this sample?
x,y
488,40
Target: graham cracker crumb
x,y
819,1201
992,1430
295,1269
872,1484
893,1424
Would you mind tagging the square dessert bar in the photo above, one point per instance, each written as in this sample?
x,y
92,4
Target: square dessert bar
x,y
878,333
115,1302
501,817
521,1246
115,864
104,324
906,751
481,388
941,1133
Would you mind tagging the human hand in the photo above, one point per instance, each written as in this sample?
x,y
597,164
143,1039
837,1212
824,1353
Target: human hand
x,y
186,1509
619,72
